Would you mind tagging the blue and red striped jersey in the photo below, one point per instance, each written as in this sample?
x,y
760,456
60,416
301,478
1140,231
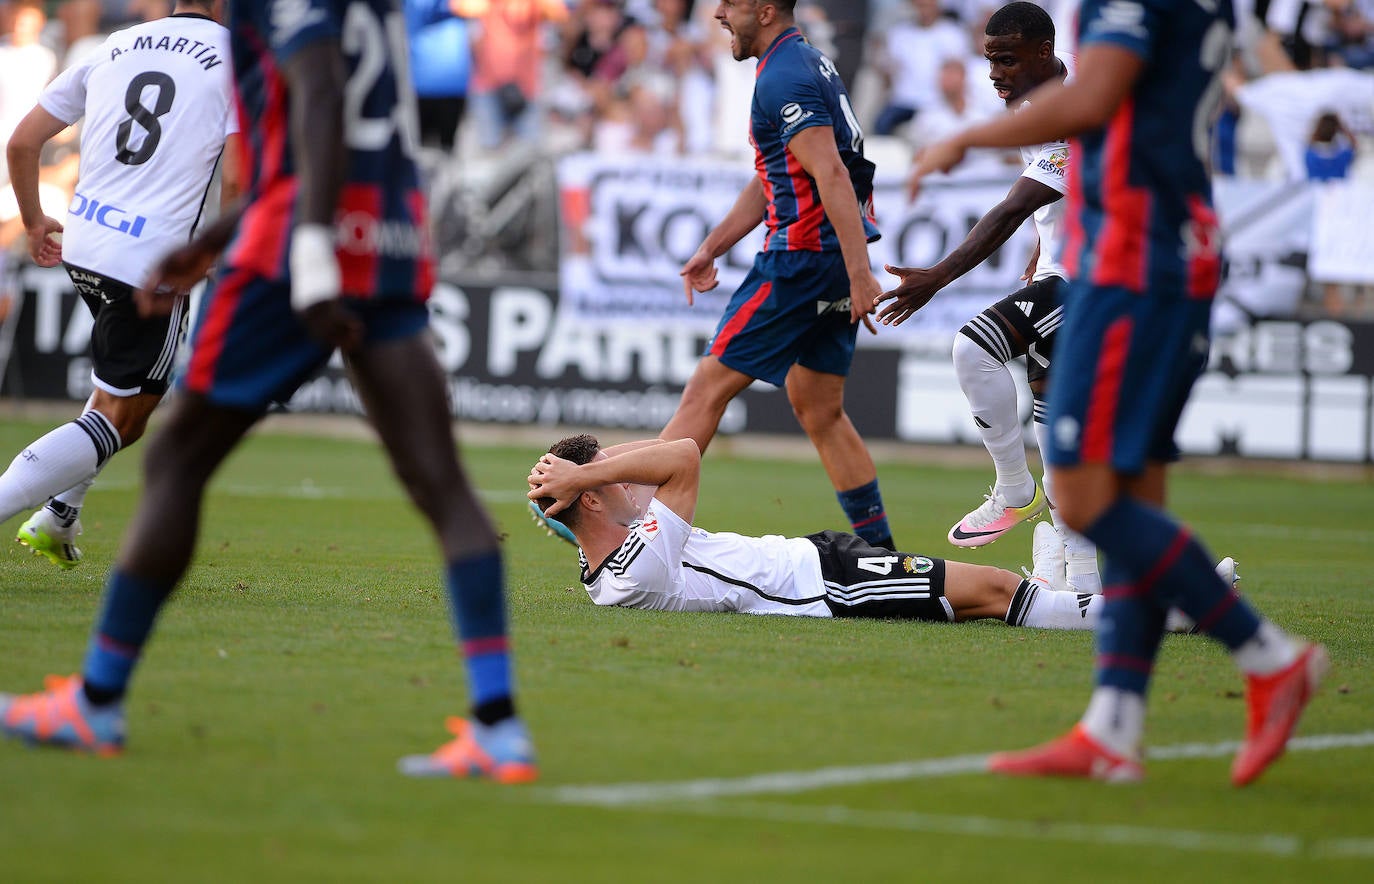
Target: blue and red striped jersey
x,y
383,244
795,88
1140,189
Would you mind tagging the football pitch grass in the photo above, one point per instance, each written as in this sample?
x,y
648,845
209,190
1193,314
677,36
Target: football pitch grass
x,y
310,647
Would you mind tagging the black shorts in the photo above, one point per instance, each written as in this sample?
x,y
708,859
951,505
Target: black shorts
x,y
869,581
129,354
1022,324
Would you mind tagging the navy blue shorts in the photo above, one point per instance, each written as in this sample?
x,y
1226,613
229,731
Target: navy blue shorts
x,y
792,309
1124,366
248,348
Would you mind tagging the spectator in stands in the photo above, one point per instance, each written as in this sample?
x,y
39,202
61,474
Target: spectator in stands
x,y
505,88
1331,152
915,50
440,62
1353,27
591,33
26,66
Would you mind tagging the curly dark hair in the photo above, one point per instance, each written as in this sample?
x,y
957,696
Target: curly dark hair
x,y
579,449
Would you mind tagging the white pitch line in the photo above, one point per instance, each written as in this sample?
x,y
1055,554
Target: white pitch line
x,y
791,782
1267,844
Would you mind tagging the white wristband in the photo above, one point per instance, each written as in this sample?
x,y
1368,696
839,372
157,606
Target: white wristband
x,y
314,267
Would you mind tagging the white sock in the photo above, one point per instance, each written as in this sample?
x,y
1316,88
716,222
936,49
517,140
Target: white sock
x,y
1270,650
991,394
1116,719
1080,553
67,456
75,496
1036,605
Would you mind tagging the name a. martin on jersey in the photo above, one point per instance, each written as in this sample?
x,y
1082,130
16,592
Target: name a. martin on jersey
x,y
201,52
361,234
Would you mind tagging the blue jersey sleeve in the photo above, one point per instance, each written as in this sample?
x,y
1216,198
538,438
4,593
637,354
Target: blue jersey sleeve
x,y
792,100
291,25
1134,25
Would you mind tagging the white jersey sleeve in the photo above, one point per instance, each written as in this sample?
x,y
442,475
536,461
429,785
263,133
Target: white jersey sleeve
x,y
646,571
1049,165
65,96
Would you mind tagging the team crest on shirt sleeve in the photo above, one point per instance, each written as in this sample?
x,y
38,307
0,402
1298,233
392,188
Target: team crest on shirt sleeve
x,y
1125,18
917,564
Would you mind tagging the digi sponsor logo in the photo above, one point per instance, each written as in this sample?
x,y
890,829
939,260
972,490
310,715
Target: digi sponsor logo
x,y
106,215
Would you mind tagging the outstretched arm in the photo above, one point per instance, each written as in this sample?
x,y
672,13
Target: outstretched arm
x,y
674,467
920,284
699,273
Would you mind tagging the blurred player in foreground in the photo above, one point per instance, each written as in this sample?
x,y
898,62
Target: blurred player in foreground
x,y
158,103
631,509
1144,260
332,251
1019,45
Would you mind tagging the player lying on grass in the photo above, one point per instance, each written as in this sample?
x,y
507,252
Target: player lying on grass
x,y
631,509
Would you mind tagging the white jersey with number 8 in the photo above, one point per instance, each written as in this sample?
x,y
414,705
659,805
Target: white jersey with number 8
x,y
158,103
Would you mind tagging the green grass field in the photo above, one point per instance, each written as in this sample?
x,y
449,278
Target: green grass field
x,y
309,648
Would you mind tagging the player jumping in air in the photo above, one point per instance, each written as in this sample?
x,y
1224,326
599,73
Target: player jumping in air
x,y
1019,45
158,104
1144,262
332,251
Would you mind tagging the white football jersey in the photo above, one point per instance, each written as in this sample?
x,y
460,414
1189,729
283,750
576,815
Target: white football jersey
x,y
666,564
158,102
1049,164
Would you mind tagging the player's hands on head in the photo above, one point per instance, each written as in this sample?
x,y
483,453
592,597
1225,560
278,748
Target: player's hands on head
x,y
864,291
174,276
698,274
918,285
45,242
552,476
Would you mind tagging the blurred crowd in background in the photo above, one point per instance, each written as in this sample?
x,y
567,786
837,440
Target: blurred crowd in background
x,y
506,86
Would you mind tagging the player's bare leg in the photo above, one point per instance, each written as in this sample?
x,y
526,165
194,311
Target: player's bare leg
x,y
708,392
403,388
818,402
978,592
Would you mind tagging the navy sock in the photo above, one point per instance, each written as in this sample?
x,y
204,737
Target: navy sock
x,y
1162,559
864,507
131,607
1129,633
477,597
